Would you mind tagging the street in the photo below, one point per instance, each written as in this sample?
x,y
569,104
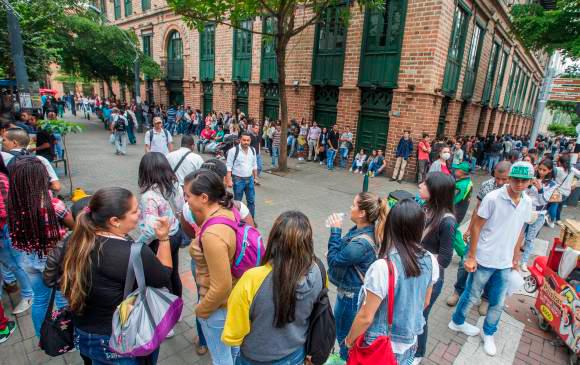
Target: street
x,y
317,192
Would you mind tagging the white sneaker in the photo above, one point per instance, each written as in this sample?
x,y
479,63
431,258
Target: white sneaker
x,y
23,306
417,360
524,267
489,345
466,328
170,334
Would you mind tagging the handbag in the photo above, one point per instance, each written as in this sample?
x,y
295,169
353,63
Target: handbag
x,y
57,331
144,318
381,350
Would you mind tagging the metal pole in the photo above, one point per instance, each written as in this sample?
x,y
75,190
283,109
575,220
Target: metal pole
x,y
17,50
543,98
138,110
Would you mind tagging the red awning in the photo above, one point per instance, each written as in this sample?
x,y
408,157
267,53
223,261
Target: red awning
x,y
47,91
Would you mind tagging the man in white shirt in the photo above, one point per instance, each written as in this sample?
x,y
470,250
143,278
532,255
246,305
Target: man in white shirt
x,y
158,139
15,142
313,135
184,161
497,233
242,165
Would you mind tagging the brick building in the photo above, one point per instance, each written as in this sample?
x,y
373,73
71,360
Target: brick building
x,y
436,66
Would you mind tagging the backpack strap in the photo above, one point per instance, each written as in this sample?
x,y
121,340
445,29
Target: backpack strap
x,y
130,277
391,295
180,162
371,242
233,224
236,155
322,271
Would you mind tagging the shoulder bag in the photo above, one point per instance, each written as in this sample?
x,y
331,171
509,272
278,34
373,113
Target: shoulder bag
x,y
56,332
381,350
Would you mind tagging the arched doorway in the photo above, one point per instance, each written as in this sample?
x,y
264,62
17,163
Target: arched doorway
x,y
175,68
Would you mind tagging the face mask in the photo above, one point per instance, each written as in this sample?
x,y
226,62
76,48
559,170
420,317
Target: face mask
x,y
446,156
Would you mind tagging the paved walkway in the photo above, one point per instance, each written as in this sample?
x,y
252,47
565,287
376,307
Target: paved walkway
x,y
317,192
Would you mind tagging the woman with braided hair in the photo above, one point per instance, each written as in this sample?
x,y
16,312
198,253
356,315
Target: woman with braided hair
x,y
37,221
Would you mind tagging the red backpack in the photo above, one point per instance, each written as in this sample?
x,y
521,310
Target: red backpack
x,y
249,244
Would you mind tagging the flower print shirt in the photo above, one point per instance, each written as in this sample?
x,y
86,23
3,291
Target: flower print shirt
x,y
153,205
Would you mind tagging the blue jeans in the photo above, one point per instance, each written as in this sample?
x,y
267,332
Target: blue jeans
x,y
343,154
96,348
212,327
555,209
260,163
462,280
345,310
275,155
493,160
531,232
12,261
476,281
121,142
330,153
245,185
202,341
34,266
407,357
422,340
295,358
291,143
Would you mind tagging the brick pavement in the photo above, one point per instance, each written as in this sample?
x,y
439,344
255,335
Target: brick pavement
x,y
310,188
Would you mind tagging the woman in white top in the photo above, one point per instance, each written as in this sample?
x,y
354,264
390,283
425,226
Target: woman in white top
x,y
161,196
564,178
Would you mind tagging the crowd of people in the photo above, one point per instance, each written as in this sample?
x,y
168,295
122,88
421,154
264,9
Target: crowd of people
x,y
388,266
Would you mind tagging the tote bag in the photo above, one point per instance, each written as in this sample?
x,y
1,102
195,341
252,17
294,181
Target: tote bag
x,y
381,350
144,318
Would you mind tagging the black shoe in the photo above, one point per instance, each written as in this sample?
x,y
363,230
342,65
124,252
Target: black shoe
x,y
400,181
6,332
393,179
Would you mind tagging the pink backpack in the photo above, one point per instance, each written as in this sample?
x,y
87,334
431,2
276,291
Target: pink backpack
x,y
249,244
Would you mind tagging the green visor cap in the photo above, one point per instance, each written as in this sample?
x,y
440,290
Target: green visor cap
x,y
522,170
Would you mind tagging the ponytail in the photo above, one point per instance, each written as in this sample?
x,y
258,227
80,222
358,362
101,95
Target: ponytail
x,y
227,200
75,282
376,210
380,223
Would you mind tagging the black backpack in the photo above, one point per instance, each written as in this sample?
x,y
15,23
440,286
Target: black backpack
x,y
121,124
321,327
23,154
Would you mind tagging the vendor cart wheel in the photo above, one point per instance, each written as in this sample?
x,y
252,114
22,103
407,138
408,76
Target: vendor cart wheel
x,y
544,325
530,284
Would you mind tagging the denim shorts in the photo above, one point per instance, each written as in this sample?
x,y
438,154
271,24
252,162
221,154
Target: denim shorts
x,y
96,348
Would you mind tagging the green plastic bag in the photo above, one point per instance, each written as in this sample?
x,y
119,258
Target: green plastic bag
x,y
459,244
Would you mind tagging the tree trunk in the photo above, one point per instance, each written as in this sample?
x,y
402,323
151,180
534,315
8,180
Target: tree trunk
x,y
110,87
281,45
67,165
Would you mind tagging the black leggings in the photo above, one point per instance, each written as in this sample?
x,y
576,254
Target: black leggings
x,y
175,242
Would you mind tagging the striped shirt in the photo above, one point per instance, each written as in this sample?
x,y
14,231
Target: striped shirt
x,y
276,138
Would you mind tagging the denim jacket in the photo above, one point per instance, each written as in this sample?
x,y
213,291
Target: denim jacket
x,y
348,252
408,320
404,148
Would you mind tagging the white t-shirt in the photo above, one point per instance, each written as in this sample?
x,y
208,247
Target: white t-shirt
x,y
377,282
190,164
244,164
160,141
499,235
188,216
51,173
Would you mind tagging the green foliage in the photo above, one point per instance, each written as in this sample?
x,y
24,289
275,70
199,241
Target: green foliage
x,y
60,126
566,107
101,51
549,30
564,129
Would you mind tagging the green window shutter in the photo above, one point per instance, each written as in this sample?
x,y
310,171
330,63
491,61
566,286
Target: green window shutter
x,y
493,58
145,5
147,45
456,47
499,83
117,8
473,62
128,7
514,89
383,35
207,52
531,99
243,52
175,57
508,91
268,67
522,94
329,45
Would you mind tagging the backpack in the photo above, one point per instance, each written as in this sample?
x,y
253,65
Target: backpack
x,y
459,244
18,155
120,124
322,326
151,136
249,244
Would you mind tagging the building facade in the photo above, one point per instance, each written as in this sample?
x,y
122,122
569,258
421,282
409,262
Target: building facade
x,y
442,67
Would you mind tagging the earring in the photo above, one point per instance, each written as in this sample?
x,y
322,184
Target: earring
x,y
118,225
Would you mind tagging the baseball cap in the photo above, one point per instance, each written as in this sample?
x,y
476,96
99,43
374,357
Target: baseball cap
x,y
464,166
522,170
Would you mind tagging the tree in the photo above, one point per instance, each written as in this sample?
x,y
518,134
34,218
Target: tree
x,y
39,22
549,30
291,17
92,50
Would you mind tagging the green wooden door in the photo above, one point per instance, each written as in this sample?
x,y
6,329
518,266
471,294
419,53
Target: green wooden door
x,y
242,91
326,100
207,53
242,68
271,101
175,92
443,116
329,45
268,67
473,62
207,97
373,123
490,75
175,57
456,47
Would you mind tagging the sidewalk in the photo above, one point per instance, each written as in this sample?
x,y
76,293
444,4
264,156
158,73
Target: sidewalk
x,y
317,192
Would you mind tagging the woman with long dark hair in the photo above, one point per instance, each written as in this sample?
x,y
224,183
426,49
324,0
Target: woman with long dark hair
x,y
37,221
213,252
95,267
161,196
438,192
350,256
564,175
415,271
269,308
